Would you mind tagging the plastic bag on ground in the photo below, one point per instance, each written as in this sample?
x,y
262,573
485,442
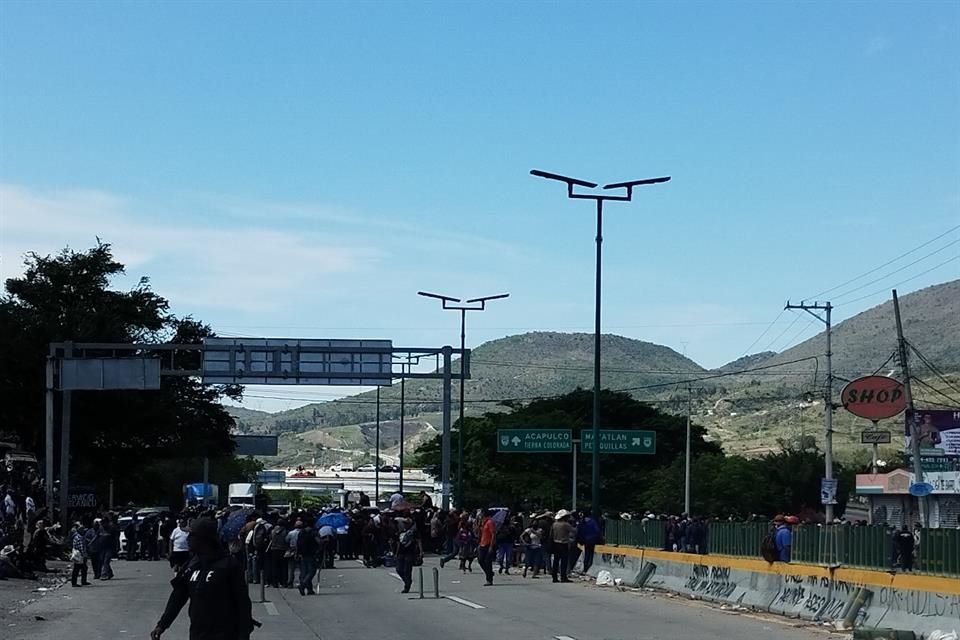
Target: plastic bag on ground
x,y
604,579
942,635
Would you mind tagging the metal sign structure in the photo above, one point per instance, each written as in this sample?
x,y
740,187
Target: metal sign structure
x,y
242,361
99,374
875,437
874,397
255,445
297,361
545,440
271,477
620,441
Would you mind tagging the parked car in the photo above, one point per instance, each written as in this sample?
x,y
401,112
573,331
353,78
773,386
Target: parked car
x,y
367,468
389,468
347,466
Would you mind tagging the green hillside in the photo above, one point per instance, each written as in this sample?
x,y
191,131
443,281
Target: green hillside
x,y
745,411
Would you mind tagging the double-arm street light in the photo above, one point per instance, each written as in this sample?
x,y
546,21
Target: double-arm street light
x,y
600,198
456,304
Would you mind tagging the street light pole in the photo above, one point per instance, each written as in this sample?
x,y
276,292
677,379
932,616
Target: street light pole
x,y
599,199
452,303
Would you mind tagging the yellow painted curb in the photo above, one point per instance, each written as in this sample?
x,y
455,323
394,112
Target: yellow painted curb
x,y
935,584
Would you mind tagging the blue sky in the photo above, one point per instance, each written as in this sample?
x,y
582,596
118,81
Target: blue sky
x,y
302,169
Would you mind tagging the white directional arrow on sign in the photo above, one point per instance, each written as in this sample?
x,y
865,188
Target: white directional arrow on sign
x,y
516,441
636,441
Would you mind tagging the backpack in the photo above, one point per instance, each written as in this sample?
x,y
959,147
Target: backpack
x,y
768,547
407,537
260,538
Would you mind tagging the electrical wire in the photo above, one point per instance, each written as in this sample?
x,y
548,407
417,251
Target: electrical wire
x,y
889,262
796,319
933,368
897,284
955,402
886,362
760,337
898,270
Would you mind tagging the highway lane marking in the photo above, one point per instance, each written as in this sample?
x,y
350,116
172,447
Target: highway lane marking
x,y
467,603
271,608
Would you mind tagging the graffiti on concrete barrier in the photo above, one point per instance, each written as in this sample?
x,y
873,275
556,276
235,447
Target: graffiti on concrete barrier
x,y
614,559
920,603
791,596
711,581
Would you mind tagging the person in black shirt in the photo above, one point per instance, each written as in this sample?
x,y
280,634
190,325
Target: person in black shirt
x,y
212,581
307,550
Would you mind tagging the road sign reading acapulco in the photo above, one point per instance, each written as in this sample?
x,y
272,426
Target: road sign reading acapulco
x,y
534,441
874,397
620,441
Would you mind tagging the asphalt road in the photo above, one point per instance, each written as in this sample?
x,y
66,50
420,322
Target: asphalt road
x,y
356,603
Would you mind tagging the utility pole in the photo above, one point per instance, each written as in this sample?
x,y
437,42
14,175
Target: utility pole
x,y
376,457
445,435
686,471
627,196
65,421
403,398
812,309
914,432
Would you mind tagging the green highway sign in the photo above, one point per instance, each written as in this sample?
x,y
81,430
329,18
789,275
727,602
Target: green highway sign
x,y
620,441
534,441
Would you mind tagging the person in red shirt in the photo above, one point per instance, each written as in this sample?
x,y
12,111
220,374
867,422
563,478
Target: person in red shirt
x,y
488,545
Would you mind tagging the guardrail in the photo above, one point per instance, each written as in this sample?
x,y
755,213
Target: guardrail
x,y
838,545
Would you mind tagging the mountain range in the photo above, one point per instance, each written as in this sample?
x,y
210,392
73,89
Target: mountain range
x,y
521,367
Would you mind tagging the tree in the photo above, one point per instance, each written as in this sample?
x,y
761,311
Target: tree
x,y
544,479
115,434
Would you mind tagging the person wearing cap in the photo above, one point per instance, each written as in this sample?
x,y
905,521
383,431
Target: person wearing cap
x,y
783,539
563,535
214,584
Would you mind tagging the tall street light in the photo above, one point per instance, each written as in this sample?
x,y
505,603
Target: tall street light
x,y
456,304
599,198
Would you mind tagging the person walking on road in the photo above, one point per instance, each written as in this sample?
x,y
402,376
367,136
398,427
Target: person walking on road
x,y
213,582
292,555
276,555
409,548
179,548
78,556
506,536
92,543
487,549
109,542
563,535
307,551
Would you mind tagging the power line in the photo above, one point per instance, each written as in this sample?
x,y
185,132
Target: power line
x,y
897,284
955,402
760,337
875,269
796,319
898,270
933,368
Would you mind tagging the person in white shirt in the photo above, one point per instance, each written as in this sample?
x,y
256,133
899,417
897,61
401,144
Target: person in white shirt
x,y
31,507
179,549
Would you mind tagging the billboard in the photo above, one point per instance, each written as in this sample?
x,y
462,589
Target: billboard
x,y
938,431
255,445
297,361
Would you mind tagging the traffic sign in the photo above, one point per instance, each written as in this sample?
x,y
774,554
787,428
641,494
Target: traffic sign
x,y
828,491
534,440
620,441
921,489
875,437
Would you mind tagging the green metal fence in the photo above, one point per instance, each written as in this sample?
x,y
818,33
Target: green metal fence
x,y
842,546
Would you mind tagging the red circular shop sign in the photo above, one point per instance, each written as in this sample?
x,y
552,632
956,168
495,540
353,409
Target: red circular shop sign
x,y
874,397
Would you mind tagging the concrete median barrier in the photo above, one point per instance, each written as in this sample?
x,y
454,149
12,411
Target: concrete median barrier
x,y
846,598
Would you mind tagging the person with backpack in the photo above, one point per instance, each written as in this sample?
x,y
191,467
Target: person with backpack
x,y
308,548
409,550
276,567
259,541
782,539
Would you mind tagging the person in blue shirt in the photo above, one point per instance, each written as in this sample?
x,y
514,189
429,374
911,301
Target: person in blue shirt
x,y
782,539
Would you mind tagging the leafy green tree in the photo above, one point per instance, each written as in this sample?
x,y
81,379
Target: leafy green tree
x,y
115,434
545,479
